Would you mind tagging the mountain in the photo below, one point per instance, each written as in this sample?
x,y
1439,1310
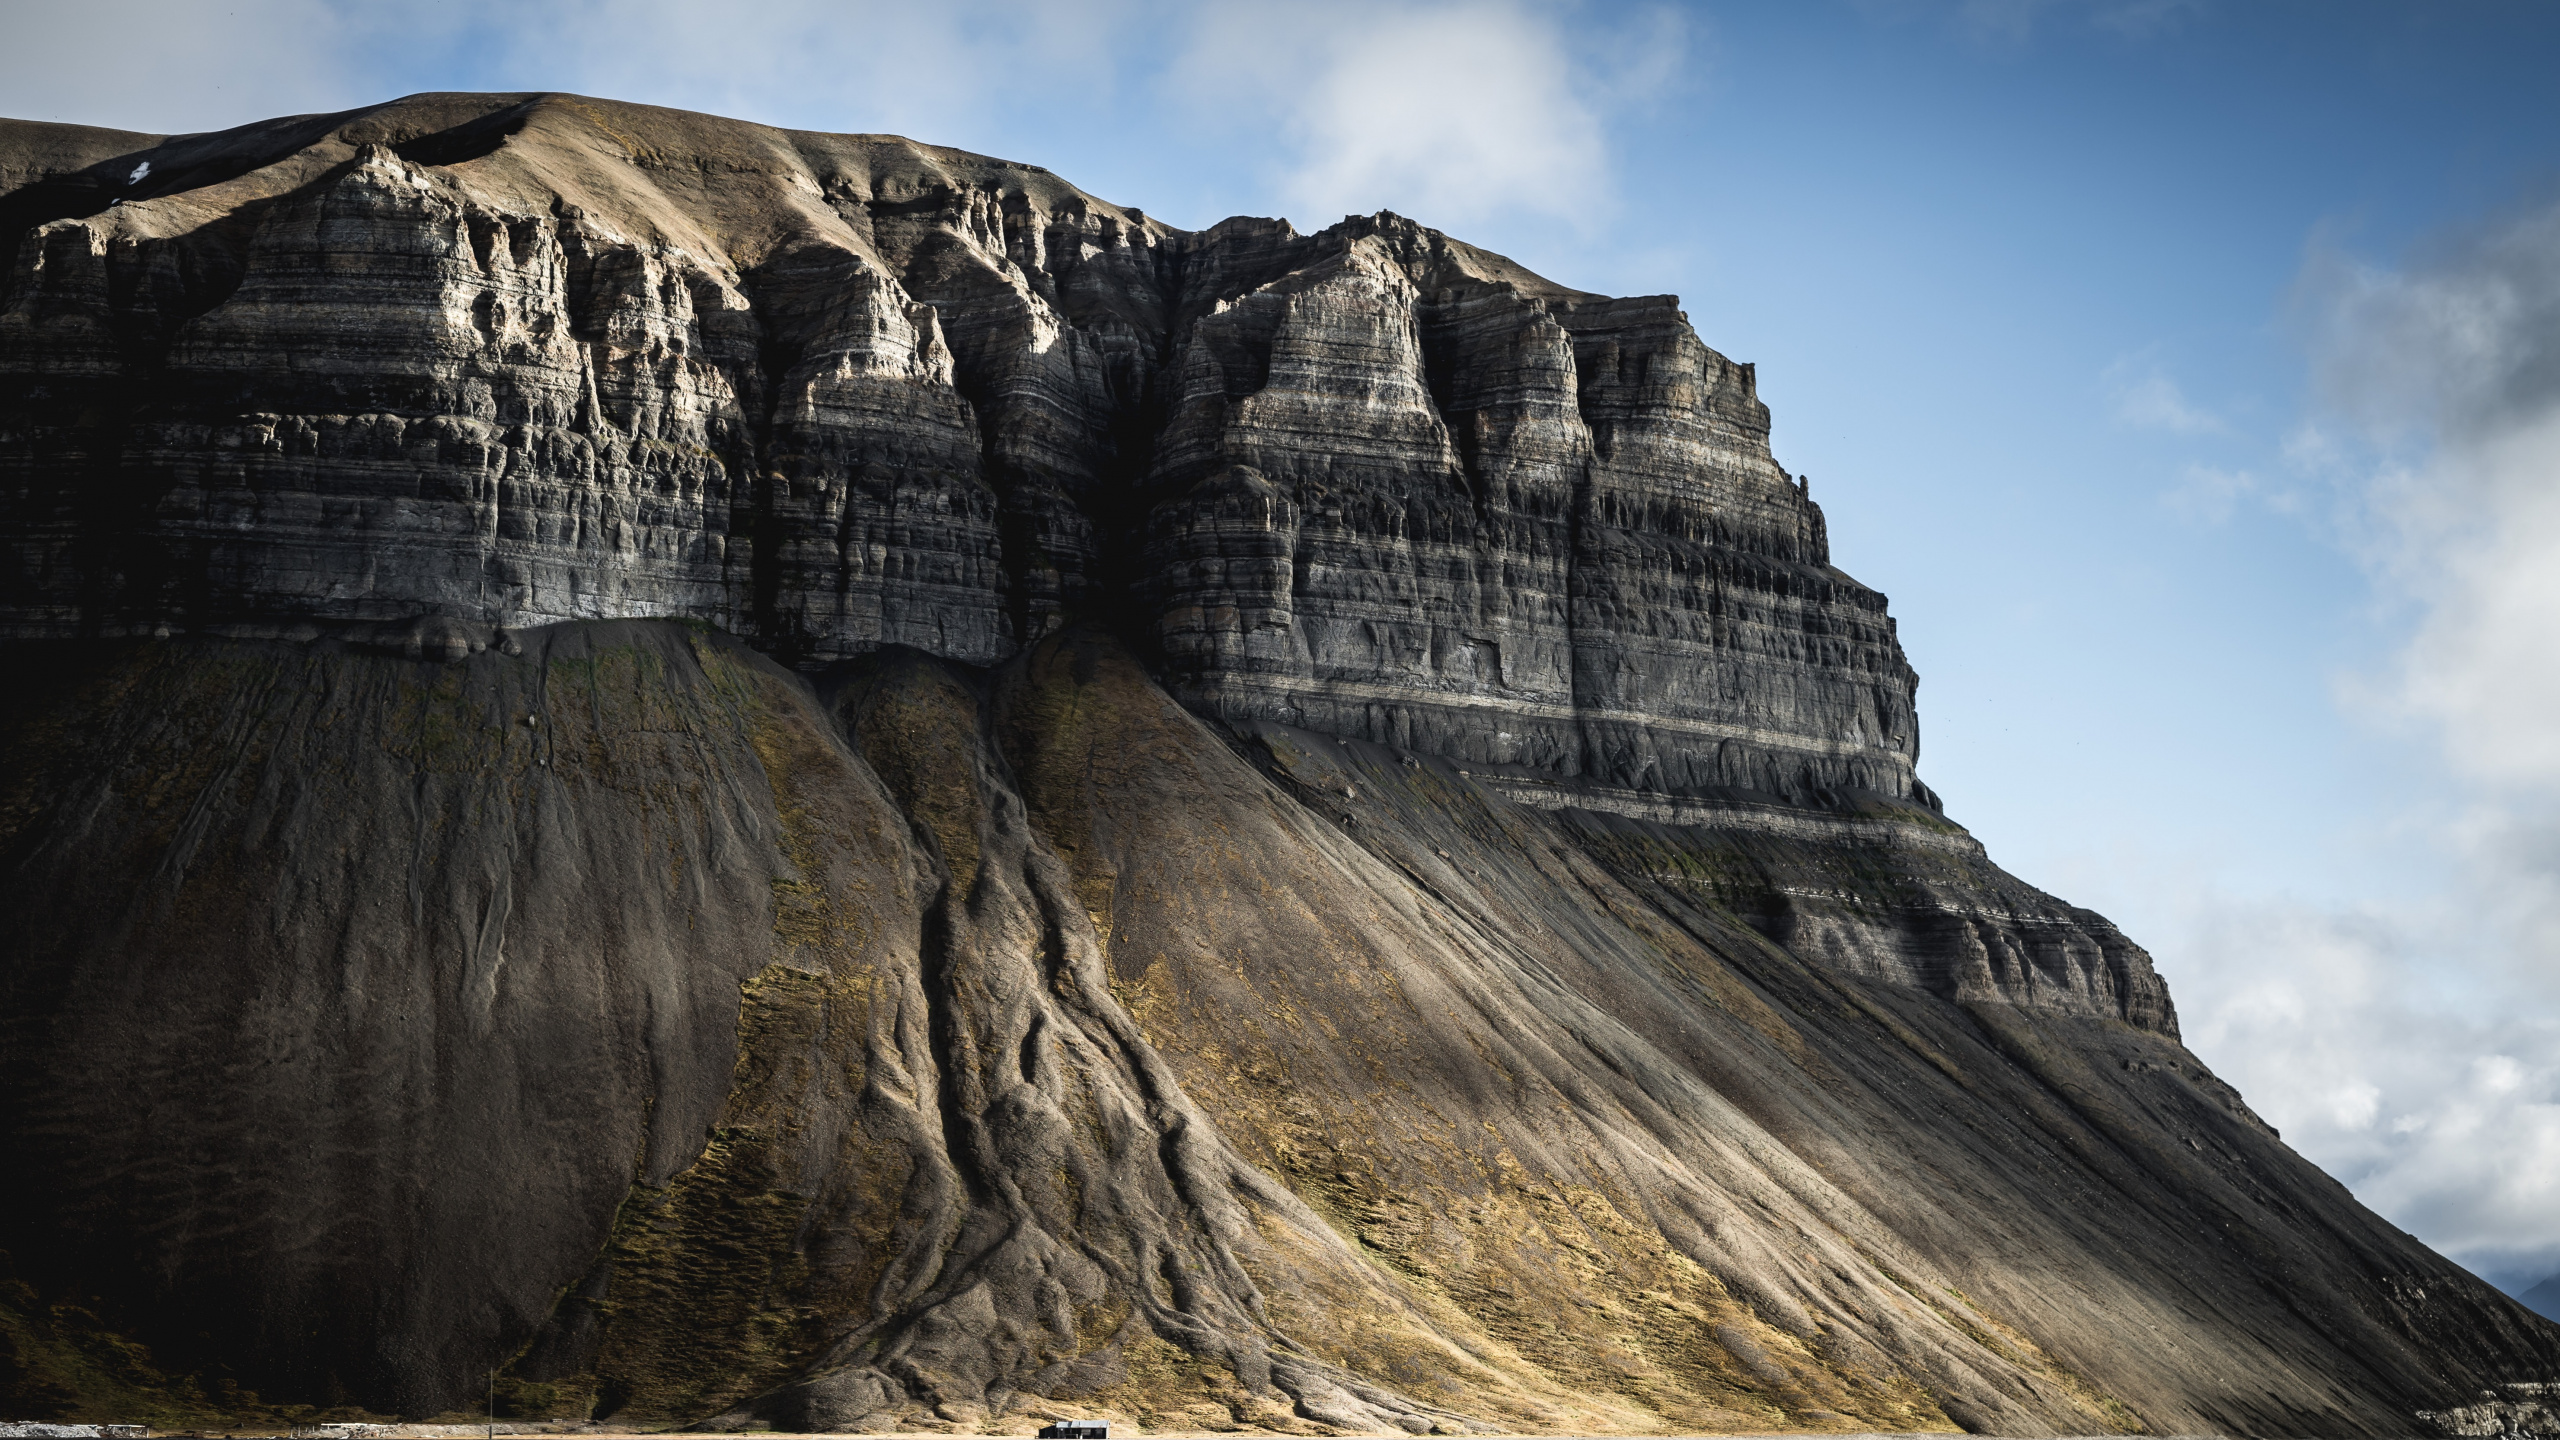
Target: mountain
x,y
760,778
2544,1299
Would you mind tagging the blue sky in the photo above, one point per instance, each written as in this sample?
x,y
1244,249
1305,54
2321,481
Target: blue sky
x,y
2187,371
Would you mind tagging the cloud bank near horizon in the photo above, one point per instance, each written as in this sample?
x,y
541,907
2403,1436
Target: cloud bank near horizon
x,y
2414,1052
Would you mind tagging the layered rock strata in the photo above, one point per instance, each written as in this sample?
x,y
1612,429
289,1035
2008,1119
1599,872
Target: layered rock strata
x,y
764,778
517,360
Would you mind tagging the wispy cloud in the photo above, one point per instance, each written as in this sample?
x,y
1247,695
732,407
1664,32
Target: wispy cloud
x,y
2448,373
2414,1050
946,71
2208,494
2399,1049
952,73
1449,112
1452,111
2141,19
172,68
2009,23
2146,397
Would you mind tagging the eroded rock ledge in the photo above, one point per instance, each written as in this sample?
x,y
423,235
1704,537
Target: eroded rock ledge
x,y
512,360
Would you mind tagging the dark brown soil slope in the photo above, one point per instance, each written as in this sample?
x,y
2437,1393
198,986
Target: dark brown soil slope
x,y
942,1043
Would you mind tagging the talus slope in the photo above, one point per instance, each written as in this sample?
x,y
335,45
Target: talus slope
x,y
972,1043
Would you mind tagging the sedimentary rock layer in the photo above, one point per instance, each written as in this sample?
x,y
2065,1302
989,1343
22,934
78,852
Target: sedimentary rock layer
x,y
523,359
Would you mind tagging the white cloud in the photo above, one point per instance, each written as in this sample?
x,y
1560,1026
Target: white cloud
x,y
2462,345
2147,398
155,66
2414,1049
1639,60
2438,1110
2014,22
947,72
1449,112
2484,667
1452,111
2207,495
2449,373
2144,396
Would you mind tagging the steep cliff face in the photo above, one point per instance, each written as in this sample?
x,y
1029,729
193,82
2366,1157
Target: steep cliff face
x,y
528,360
796,779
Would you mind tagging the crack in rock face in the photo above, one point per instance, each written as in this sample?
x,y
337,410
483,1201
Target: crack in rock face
x,y
670,772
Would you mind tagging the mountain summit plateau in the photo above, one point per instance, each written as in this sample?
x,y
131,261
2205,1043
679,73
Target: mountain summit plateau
x,y
756,778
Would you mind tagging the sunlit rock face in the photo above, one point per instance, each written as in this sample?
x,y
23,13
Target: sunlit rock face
x,y
524,365
806,780
1520,526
